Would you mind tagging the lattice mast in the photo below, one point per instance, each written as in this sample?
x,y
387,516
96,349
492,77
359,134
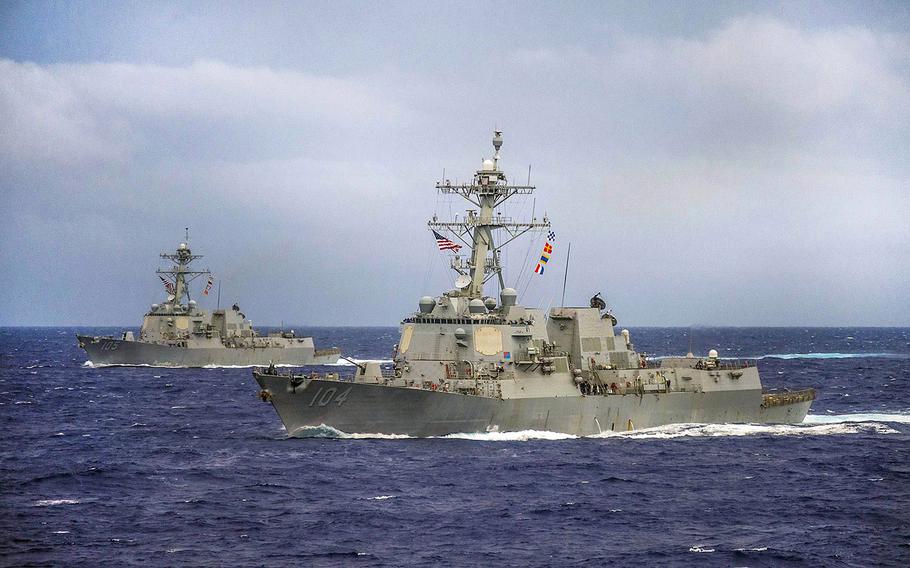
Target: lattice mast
x,y
180,274
488,190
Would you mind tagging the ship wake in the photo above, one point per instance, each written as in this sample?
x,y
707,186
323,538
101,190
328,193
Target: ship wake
x,y
832,425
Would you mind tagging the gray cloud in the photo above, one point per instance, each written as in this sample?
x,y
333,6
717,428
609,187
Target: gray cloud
x,y
751,174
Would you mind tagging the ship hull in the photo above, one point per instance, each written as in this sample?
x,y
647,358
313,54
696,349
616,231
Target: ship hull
x,y
110,351
371,408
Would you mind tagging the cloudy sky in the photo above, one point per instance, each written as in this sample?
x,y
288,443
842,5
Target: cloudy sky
x,y
711,163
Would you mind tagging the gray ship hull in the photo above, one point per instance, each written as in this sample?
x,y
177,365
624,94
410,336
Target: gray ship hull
x,y
111,351
353,407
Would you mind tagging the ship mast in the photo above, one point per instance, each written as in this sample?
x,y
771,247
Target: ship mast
x,y
488,190
180,273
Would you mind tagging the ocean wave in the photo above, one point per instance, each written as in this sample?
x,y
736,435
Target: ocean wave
x,y
734,430
323,431
520,436
54,502
814,426
828,355
860,417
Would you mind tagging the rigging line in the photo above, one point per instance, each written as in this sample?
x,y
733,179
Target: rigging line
x,y
428,265
532,243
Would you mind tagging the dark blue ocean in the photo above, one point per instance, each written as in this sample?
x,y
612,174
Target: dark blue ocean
x,y
163,467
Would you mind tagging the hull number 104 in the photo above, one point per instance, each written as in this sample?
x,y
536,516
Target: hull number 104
x,y
325,396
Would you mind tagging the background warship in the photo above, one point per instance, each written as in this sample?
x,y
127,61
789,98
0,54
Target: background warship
x,y
467,362
177,333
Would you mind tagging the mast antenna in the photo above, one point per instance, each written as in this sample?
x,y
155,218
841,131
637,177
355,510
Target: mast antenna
x,y
566,275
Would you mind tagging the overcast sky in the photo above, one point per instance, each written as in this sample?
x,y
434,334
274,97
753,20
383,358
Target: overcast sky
x,y
711,163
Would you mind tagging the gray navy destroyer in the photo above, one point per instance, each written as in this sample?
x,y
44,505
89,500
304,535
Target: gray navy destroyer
x,y
467,362
178,333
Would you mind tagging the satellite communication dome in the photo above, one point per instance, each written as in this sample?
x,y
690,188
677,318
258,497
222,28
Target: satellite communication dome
x,y
712,354
488,165
426,304
460,333
490,303
182,246
508,296
154,307
476,306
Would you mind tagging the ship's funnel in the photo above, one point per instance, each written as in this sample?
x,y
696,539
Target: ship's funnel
x,y
508,297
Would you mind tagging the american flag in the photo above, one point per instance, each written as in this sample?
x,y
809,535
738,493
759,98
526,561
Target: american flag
x,y
445,244
168,285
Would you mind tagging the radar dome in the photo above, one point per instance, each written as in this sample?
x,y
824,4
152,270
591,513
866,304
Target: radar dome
x,y
490,303
182,246
508,296
488,165
712,354
476,306
427,303
154,307
460,333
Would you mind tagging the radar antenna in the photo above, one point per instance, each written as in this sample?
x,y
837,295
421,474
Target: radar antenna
x,y
180,275
488,190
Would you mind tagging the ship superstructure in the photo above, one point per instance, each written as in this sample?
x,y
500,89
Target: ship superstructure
x,y
471,362
178,333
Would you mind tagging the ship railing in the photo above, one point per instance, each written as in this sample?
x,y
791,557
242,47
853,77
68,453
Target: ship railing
x,y
708,365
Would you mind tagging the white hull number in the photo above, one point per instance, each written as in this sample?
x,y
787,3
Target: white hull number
x,y
325,396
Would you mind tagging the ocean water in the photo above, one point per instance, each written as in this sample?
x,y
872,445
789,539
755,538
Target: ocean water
x,y
162,467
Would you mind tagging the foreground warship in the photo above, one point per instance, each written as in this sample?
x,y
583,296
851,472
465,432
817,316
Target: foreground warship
x,y
467,362
177,333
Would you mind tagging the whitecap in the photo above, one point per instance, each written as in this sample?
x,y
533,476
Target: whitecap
x,y
859,417
813,426
758,549
323,431
519,436
53,502
732,430
698,548
380,498
60,532
834,355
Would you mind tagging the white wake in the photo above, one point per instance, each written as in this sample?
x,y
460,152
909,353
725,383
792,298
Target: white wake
x,y
814,425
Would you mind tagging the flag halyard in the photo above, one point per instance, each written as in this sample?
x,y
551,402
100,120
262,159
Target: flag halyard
x,y
545,255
